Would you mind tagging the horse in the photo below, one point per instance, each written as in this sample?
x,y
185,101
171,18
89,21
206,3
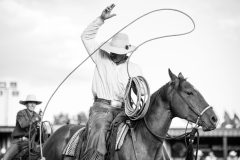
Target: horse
x,y
177,98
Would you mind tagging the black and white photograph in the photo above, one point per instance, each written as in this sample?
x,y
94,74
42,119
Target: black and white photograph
x,y
119,80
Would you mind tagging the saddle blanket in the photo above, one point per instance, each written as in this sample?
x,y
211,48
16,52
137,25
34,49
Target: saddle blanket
x,y
121,134
72,144
71,147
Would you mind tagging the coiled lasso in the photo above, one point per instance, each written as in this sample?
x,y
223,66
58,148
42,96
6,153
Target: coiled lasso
x,y
136,109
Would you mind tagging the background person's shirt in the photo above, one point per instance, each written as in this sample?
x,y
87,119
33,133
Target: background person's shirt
x,y
109,79
23,122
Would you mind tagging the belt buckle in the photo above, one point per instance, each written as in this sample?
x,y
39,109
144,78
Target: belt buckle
x,y
24,138
117,104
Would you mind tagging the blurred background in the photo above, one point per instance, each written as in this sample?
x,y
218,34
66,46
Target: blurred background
x,y
40,45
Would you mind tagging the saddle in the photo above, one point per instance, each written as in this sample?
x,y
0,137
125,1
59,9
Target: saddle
x,y
115,138
118,131
24,152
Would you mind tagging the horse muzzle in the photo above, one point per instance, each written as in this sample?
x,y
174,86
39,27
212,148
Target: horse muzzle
x,y
209,121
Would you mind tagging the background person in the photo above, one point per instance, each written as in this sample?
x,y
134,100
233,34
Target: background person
x,y
211,156
232,155
25,118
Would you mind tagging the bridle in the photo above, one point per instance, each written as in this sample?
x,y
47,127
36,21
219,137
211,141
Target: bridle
x,y
205,109
168,137
191,134
193,109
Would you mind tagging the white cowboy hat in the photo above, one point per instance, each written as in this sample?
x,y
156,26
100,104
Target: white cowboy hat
x,y
233,153
30,98
119,44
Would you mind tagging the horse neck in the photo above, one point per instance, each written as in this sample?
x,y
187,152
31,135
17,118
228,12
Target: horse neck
x,y
159,116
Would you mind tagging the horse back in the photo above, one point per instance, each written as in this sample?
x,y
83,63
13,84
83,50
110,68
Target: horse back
x,y
59,139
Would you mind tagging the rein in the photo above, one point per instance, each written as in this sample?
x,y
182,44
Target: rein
x,y
33,128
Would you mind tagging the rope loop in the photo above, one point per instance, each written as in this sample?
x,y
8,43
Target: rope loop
x,y
137,98
171,35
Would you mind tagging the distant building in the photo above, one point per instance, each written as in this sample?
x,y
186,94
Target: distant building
x,y
220,141
5,136
9,97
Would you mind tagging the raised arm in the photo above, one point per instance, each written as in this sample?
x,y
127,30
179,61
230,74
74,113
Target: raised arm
x,y
89,34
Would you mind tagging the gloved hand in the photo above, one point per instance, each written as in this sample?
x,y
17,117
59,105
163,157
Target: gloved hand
x,y
36,119
106,13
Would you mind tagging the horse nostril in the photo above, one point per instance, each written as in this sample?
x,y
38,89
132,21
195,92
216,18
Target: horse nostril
x,y
214,119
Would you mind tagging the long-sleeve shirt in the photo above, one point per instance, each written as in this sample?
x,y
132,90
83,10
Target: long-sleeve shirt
x,y
23,121
109,79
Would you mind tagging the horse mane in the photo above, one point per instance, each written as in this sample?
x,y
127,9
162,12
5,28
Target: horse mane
x,y
161,92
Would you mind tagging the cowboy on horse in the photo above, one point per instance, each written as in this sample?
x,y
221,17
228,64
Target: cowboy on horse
x,y
109,81
25,118
112,76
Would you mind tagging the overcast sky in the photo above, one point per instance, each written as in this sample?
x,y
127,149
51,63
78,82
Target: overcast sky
x,y
40,44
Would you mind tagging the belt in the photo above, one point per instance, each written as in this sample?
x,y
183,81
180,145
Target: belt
x,y
112,103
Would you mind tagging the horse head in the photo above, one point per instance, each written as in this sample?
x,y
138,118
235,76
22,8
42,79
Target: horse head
x,y
186,102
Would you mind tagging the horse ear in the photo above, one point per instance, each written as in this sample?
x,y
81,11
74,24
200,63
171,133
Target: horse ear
x,y
174,79
171,75
175,83
180,76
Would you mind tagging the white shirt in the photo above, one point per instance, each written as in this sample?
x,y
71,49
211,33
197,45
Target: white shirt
x,y
109,80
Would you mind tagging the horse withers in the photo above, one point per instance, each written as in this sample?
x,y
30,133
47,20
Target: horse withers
x,y
177,98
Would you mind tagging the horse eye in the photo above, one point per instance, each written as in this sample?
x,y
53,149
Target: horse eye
x,y
189,93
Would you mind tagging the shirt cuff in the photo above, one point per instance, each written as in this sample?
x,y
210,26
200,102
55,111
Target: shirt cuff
x,y
99,21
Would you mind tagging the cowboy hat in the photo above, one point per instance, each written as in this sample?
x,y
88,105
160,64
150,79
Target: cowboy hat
x,y
233,153
30,98
119,44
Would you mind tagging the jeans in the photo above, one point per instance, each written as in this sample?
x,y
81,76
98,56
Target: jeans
x,y
11,151
16,147
100,118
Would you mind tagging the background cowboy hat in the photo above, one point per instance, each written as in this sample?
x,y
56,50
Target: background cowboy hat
x,y
30,98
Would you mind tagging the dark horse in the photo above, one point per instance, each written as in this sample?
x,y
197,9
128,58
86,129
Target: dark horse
x,y
177,98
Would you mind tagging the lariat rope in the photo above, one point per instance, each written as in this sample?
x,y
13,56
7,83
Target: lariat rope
x,y
158,37
172,35
157,10
137,109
